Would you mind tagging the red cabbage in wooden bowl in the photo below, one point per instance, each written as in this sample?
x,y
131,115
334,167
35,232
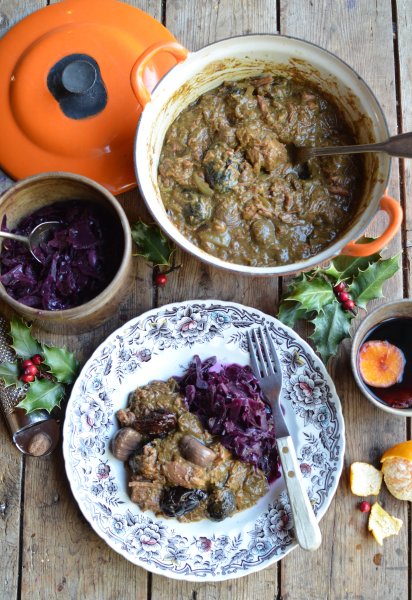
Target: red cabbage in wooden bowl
x,y
77,262
86,271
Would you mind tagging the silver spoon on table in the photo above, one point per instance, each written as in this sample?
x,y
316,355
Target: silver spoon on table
x,y
397,145
41,233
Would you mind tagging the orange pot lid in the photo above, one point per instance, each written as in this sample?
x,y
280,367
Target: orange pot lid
x,y
66,102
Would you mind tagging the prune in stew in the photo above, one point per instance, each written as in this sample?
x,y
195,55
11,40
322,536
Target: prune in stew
x,y
156,423
177,501
221,504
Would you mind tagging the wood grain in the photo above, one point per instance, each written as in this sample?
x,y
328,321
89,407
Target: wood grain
x,y
361,34
404,45
60,555
12,463
11,467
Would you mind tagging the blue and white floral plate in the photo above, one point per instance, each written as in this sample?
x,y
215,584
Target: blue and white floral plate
x,y
157,345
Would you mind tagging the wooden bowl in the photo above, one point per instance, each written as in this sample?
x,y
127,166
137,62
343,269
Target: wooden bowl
x,y
398,308
33,193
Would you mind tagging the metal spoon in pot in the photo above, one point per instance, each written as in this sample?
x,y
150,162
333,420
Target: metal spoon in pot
x,y
397,145
41,233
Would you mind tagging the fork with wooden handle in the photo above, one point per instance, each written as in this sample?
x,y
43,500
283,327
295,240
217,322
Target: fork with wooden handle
x,y
266,367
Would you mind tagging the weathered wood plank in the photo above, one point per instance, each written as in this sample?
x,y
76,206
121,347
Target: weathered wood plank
x,y
195,24
11,467
10,510
61,554
350,564
405,73
404,28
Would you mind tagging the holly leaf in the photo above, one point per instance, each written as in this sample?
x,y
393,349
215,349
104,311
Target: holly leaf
x,y
313,294
368,284
9,374
290,311
332,325
23,343
62,363
42,394
152,244
293,283
346,267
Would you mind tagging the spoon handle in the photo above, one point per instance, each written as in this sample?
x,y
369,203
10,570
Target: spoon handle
x,y
397,145
14,236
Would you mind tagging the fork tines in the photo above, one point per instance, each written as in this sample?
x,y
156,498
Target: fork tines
x,y
263,353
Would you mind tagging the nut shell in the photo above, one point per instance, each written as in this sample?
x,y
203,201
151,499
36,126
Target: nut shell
x,y
124,442
397,474
195,452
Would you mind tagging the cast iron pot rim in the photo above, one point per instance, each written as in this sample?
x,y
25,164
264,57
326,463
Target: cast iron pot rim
x,y
325,255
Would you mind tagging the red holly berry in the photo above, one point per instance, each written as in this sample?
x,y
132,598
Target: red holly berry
x,y
31,370
27,363
343,296
27,378
364,506
161,279
37,359
339,287
348,305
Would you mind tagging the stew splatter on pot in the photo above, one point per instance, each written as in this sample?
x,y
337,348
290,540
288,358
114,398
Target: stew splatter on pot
x,y
228,184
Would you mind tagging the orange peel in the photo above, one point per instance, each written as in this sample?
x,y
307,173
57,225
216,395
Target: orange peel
x,y
402,450
397,470
380,363
365,479
381,524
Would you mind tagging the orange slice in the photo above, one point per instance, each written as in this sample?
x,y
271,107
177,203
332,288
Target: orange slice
x,y
381,364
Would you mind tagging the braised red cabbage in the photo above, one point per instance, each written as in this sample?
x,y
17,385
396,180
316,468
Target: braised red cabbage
x,y
78,261
228,401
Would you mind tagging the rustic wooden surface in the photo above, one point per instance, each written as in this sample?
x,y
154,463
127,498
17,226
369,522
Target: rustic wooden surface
x,y
47,549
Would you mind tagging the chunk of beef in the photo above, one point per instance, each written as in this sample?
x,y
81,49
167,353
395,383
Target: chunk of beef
x,y
146,494
262,147
180,169
185,474
146,464
126,417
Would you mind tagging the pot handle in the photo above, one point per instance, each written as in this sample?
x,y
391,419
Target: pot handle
x,y
136,76
395,213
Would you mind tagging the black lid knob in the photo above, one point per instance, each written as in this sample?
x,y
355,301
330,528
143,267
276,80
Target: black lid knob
x,y
76,83
79,76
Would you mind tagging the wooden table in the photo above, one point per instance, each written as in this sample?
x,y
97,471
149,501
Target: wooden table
x,y
48,550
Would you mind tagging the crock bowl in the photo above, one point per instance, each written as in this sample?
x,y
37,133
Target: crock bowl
x,y
240,57
33,193
391,310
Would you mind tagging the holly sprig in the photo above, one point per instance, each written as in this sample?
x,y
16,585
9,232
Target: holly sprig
x,y
156,248
55,368
313,296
